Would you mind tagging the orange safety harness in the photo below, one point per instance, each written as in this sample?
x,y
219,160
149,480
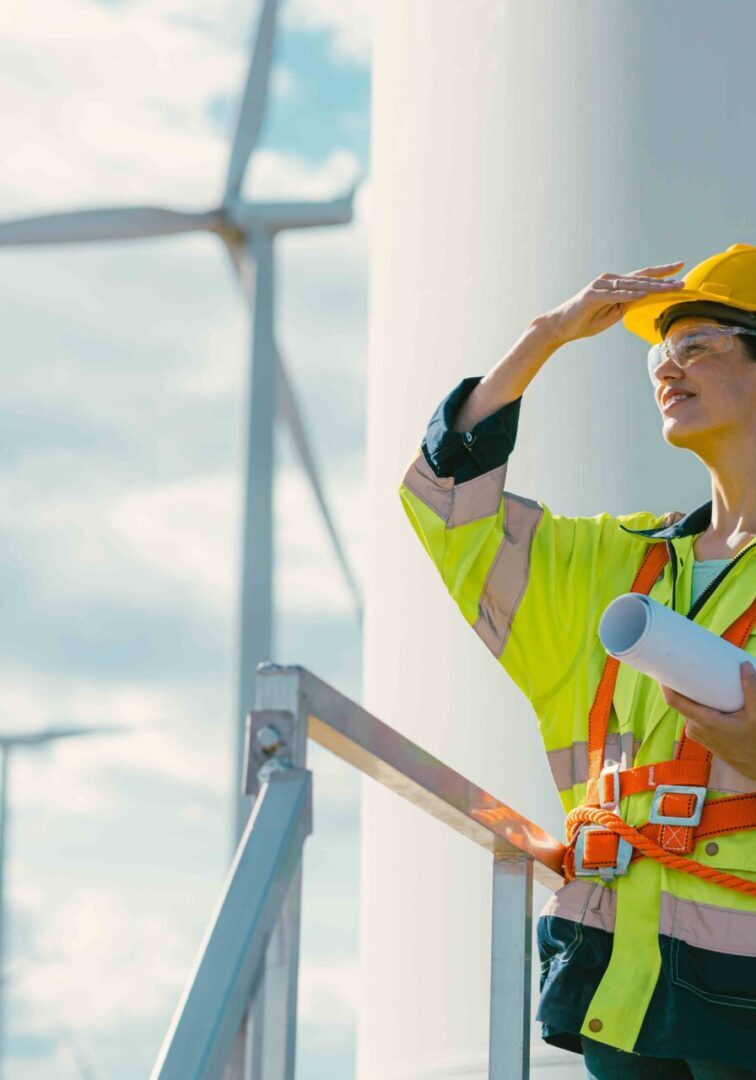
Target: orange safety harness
x,y
599,841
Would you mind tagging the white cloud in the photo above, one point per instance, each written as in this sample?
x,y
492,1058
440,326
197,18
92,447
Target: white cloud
x,y
283,82
300,180
350,23
110,136
137,962
100,961
188,531
74,777
114,139
25,896
327,992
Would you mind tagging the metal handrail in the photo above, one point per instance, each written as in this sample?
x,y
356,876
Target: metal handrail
x,y
238,1011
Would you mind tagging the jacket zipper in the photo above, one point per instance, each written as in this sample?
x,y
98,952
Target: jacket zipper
x,y
715,582
673,563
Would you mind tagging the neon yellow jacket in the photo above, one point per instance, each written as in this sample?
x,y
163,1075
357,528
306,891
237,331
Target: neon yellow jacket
x,y
656,962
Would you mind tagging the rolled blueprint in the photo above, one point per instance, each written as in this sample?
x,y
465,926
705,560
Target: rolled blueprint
x,y
674,650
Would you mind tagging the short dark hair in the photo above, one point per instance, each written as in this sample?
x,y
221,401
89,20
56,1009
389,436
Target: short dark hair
x,y
749,344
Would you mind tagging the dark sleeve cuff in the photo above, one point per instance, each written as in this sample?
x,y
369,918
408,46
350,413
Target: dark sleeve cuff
x,y
467,454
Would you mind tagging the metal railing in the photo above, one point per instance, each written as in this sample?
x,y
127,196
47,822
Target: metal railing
x,y
237,1016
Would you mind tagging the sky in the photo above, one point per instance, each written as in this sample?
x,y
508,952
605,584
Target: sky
x,y
124,374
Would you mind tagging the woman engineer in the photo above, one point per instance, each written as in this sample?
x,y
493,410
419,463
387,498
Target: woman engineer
x,y
648,962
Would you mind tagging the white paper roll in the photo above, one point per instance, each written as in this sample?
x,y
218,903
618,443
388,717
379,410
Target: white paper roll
x,y
674,650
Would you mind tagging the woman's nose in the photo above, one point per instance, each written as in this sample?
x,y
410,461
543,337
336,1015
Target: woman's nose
x,y
667,369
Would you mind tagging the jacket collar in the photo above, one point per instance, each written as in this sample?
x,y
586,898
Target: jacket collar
x,y
689,525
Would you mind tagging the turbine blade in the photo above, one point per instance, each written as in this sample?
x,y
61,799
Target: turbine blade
x,y
52,734
290,412
277,216
252,107
106,223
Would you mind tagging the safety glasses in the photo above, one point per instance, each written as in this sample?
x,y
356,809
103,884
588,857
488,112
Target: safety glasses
x,y
686,347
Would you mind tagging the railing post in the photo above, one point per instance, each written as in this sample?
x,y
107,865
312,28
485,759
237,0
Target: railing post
x,y
205,1026
511,930
279,1020
245,1059
276,731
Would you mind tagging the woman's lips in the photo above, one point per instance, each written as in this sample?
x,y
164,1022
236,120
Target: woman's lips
x,y
675,402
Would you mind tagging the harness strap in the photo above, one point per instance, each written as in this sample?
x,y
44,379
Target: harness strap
x,y
647,777
740,631
681,839
602,846
728,814
666,843
720,816
598,719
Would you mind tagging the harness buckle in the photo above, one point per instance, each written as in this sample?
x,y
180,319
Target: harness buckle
x,y
658,817
612,769
622,861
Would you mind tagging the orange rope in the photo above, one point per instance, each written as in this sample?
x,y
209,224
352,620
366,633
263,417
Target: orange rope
x,y
609,820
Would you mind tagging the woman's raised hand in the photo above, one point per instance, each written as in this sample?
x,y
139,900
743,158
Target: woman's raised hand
x,y
605,300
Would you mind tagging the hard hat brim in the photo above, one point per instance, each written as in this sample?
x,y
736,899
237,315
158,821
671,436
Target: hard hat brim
x,y
642,314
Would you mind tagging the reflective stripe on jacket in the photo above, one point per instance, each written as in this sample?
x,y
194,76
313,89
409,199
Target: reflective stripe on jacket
x,y
656,962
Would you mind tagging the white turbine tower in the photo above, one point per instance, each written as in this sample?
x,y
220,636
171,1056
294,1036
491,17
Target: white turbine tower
x,y
247,230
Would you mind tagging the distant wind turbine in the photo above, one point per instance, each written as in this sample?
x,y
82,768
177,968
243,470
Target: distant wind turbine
x,y
248,230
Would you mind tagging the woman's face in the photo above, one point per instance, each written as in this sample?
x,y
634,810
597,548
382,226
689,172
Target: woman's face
x,y
717,393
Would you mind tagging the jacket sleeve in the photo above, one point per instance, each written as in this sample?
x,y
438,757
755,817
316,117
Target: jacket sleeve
x,y
529,582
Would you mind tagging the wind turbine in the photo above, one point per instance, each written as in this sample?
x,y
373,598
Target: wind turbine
x,y
248,230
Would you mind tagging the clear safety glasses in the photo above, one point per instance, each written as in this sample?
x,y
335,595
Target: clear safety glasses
x,y
686,347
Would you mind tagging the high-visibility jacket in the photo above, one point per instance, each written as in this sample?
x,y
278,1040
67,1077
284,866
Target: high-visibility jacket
x,y
653,961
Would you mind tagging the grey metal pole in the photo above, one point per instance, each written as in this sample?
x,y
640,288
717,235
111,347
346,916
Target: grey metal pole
x,y
4,768
511,930
279,1022
254,1031
280,691
256,615
212,1007
246,1059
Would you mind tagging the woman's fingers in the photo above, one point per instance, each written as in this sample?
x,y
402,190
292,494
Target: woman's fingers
x,y
655,271
634,288
637,284
603,301
691,709
618,294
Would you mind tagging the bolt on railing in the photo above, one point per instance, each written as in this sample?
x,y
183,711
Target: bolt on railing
x,y
237,1016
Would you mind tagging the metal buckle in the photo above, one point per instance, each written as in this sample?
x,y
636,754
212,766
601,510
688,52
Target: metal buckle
x,y
612,769
624,853
656,817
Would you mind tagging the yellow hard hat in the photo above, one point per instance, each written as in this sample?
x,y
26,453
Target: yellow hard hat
x,y
721,287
